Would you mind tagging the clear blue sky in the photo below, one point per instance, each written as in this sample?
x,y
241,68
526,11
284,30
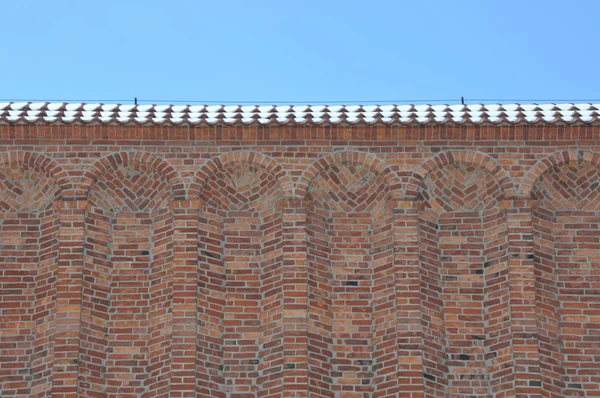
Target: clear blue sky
x,y
299,51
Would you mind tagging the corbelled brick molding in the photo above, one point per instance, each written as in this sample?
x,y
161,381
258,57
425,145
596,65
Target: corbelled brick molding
x,y
300,259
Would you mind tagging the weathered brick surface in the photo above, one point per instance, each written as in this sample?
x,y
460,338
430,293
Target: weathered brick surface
x,y
300,261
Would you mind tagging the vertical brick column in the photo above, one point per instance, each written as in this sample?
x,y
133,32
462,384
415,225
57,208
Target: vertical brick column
x,y
295,307
68,297
211,306
406,258
185,287
522,297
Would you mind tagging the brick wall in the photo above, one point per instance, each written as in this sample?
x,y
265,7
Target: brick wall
x,y
354,261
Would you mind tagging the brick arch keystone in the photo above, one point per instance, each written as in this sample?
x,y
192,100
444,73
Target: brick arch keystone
x,y
373,163
114,160
475,159
247,157
43,164
556,159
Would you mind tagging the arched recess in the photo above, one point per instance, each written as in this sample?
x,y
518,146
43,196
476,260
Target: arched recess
x,y
127,276
242,157
30,183
474,159
373,163
352,316
113,162
465,296
240,249
566,225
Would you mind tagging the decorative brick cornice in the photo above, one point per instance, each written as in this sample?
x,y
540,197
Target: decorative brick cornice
x,y
475,114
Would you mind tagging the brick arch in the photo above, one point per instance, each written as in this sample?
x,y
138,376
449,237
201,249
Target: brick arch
x,y
373,163
43,164
30,181
248,157
474,159
556,159
114,160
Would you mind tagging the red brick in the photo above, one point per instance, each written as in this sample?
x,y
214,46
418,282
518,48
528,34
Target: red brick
x,y
297,261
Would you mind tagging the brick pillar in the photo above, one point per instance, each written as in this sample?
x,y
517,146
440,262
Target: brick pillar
x,y
211,305
295,304
522,297
185,301
68,297
406,258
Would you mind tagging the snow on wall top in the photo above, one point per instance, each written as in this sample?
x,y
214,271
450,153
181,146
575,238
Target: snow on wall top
x,y
48,112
